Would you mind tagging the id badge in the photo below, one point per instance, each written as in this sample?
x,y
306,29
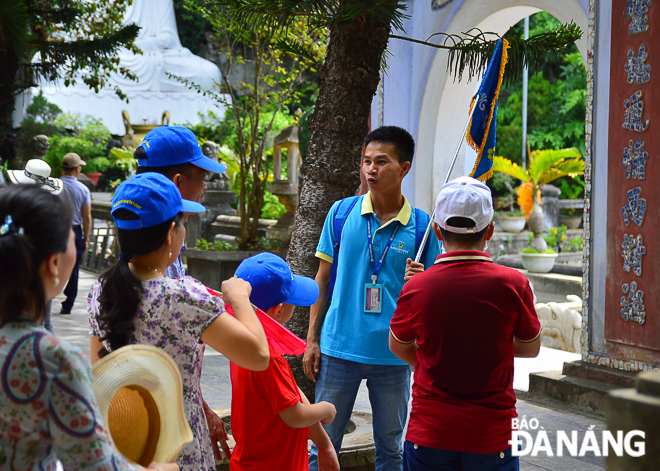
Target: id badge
x,y
373,298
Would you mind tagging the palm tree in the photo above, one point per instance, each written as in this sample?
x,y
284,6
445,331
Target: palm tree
x,y
359,31
544,167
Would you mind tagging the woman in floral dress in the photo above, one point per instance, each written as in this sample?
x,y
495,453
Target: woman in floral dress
x,y
134,303
47,406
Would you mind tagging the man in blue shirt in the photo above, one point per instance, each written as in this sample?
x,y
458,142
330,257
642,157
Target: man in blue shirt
x,y
80,202
374,260
173,151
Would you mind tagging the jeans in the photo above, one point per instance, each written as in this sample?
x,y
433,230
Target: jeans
x,y
338,382
421,458
45,321
71,290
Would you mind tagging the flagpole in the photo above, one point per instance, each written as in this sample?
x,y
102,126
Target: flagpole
x,y
451,167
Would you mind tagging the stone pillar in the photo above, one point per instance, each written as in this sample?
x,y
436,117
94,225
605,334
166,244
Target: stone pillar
x,y
550,197
636,409
193,229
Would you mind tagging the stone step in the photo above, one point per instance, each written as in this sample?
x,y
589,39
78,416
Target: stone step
x,y
231,225
574,393
622,379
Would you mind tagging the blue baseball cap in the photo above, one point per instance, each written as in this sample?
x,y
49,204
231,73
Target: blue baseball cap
x,y
273,283
153,198
174,145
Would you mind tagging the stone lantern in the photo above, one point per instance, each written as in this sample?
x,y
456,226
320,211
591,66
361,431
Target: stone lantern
x,y
286,189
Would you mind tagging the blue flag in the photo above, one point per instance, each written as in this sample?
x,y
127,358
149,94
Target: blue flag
x,y
481,132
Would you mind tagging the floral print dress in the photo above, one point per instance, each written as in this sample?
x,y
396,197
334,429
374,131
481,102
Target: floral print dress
x,y
172,316
47,406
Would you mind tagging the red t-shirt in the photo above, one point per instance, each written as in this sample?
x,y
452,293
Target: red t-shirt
x,y
464,312
263,440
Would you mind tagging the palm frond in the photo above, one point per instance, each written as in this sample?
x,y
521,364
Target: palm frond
x,y
541,161
473,49
13,25
502,165
277,15
563,169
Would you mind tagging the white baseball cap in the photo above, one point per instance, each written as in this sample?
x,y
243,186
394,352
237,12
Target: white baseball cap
x,y
464,197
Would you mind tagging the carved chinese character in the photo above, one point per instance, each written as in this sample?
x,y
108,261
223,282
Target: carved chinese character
x,y
634,159
636,207
632,306
637,11
638,71
632,254
633,114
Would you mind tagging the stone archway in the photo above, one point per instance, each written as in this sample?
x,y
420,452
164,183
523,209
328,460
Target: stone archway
x,y
445,104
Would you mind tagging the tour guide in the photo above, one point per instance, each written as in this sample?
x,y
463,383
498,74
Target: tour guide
x,y
353,343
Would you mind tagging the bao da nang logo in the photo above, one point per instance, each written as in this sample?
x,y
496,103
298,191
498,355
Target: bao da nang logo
x,y
573,443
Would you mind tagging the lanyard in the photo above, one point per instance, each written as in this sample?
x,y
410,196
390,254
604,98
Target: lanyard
x,y
374,267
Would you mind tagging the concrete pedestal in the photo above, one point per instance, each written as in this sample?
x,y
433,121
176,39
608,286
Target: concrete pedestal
x,y
636,409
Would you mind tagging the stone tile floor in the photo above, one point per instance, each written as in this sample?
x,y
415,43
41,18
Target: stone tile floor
x,y
216,387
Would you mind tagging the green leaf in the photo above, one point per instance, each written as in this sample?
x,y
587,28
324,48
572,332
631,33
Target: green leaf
x,y
500,164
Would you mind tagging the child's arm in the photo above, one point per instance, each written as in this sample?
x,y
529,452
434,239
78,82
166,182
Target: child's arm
x,y
526,349
240,338
327,456
404,351
302,415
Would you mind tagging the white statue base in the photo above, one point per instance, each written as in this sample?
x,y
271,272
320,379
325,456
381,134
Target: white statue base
x,y
184,106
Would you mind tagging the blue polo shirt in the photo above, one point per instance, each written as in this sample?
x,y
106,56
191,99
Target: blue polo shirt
x,y
348,332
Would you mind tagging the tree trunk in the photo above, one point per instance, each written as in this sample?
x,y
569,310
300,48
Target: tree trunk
x,y
8,69
349,79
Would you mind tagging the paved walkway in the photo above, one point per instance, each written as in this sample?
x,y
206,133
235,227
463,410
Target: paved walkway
x,y
216,387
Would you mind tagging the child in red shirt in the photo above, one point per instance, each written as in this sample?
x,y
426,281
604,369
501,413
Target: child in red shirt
x,y
271,419
466,307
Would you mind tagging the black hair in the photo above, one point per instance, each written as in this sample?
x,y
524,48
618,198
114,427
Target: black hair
x,y
121,290
402,140
454,237
45,220
167,170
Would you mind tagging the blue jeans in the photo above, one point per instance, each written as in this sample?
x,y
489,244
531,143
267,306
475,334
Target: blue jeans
x,y
338,382
71,289
421,458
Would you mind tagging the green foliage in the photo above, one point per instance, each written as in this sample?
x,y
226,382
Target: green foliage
x,y
217,246
256,109
574,245
262,244
272,208
97,165
87,137
556,99
66,39
191,27
571,188
122,157
555,236
39,118
532,250
509,214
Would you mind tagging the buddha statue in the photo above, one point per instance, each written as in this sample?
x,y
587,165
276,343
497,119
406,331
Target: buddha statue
x,y
162,52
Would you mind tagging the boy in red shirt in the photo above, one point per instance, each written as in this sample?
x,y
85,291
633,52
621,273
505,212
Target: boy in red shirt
x,y
271,419
460,324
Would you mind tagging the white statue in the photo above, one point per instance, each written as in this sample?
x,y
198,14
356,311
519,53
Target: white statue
x,y
162,52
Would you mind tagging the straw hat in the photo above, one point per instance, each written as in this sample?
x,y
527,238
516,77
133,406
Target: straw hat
x,y
37,172
140,396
